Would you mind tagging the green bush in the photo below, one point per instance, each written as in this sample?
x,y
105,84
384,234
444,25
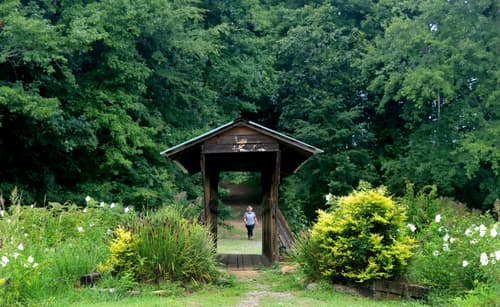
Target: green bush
x,y
362,238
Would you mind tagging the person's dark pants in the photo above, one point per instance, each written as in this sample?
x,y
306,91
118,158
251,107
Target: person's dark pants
x,y
250,230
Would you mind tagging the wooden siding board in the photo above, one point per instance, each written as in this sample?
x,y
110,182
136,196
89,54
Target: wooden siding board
x,y
226,148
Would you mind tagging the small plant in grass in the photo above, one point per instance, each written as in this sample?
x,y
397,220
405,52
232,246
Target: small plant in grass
x,y
362,238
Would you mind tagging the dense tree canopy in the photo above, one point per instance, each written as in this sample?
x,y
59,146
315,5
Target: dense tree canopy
x,y
393,91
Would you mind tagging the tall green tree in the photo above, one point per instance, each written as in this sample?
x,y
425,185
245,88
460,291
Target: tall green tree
x,y
323,101
91,91
434,75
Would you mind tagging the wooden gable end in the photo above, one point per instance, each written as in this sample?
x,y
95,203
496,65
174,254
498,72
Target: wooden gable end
x,y
240,139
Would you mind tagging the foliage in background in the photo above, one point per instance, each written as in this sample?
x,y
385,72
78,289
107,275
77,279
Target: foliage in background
x,y
362,238
92,91
433,79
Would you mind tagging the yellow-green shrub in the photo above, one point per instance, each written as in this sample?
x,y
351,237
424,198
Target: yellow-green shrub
x,y
362,238
124,254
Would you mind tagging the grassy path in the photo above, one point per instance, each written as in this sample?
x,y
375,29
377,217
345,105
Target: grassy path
x,y
232,238
258,288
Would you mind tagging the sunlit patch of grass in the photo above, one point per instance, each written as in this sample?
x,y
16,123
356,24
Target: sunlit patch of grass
x,y
241,246
232,239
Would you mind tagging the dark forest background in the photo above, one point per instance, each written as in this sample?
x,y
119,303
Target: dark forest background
x,y
394,92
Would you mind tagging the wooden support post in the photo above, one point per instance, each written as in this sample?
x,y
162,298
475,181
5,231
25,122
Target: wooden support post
x,y
270,186
210,177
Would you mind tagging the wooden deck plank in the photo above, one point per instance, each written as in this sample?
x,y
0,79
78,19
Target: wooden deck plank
x,y
243,261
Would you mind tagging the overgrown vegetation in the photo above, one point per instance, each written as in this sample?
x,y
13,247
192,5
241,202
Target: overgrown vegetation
x,y
458,252
44,251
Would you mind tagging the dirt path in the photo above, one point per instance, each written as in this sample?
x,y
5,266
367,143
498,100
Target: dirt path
x,y
239,197
254,296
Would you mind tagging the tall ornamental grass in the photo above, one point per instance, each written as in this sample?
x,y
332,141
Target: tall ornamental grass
x,y
174,247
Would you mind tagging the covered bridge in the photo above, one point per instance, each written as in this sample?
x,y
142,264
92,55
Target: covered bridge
x,y
245,146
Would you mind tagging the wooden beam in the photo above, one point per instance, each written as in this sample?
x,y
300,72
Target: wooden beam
x,y
210,177
270,187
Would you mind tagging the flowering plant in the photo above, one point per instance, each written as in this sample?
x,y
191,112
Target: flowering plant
x,y
457,252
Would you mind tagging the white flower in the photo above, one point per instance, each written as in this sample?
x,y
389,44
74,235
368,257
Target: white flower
x,y
4,261
465,263
435,253
87,198
8,221
473,241
446,248
468,232
20,246
112,205
2,213
483,259
35,264
109,231
441,229
437,218
482,230
497,255
328,197
102,204
452,240
411,227
30,259
446,237
15,255
80,229
85,210
126,209
25,234
493,232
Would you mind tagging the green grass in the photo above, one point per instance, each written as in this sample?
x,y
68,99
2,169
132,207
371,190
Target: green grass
x,y
269,288
233,239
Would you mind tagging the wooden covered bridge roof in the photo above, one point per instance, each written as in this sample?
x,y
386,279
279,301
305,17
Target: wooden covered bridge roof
x,y
241,136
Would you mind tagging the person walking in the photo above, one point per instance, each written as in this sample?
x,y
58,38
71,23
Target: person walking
x,y
250,220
